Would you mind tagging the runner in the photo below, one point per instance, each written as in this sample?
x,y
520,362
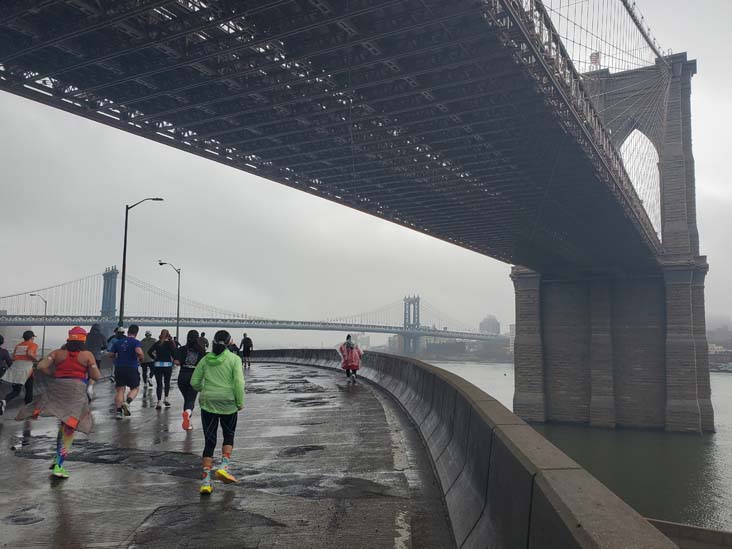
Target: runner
x,y
119,333
203,341
351,355
127,355
188,357
69,370
147,360
163,352
220,380
246,351
21,372
96,345
6,362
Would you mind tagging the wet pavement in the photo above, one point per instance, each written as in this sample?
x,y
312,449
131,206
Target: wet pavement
x,y
320,463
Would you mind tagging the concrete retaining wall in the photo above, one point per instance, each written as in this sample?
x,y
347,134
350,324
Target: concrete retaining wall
x,y
504,484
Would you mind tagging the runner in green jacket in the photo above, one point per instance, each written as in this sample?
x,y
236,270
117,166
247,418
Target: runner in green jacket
x,y
220,382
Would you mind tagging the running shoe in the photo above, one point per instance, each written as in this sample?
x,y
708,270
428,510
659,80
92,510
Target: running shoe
x,y
59,472
186,420
119,414
206,489
167,403
224,476
158,406
126,409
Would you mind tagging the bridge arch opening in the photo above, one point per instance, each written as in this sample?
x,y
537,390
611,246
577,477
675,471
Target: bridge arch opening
x,y
641,161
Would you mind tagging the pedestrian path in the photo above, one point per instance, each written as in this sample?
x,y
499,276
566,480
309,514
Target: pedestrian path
x,y
320,463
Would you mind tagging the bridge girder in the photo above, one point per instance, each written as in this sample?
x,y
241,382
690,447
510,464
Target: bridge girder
x,y
239,323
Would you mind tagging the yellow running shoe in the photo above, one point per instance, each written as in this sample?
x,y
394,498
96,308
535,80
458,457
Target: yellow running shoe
x,y
206,489
224,476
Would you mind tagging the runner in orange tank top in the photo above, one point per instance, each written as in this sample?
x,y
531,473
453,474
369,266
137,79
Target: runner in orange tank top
x,y
69,370
20,373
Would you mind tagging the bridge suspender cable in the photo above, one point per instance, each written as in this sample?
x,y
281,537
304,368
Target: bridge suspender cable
x,y
638,23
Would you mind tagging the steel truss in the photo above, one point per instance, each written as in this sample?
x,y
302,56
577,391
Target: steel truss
x,y
465,120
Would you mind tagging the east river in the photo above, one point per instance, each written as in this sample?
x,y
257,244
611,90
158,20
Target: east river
x,y
675,477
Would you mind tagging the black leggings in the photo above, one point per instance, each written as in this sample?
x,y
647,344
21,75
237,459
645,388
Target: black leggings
x,y
162,373
188,392
15,389
210,424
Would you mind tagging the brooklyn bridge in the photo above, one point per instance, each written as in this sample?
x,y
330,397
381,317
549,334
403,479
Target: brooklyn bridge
x,y
553,136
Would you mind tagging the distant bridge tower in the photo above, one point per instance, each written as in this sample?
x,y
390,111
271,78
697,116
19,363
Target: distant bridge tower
x,y
627,349
109,300
411,323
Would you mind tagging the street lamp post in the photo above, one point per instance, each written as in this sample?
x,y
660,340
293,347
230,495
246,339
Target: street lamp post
x,y
124,258
177,313
45,319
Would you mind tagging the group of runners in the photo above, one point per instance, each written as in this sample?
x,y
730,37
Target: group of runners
x,y
67,376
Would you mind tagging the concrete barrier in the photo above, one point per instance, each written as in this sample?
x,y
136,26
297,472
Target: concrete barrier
x,y
505,485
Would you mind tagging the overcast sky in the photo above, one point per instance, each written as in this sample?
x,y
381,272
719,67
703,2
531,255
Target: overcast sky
x,y
258,247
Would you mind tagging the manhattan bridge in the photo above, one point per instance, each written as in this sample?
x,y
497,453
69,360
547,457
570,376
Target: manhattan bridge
x,y
93,299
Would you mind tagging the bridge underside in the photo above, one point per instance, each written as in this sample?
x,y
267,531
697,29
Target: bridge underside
x,y
433,115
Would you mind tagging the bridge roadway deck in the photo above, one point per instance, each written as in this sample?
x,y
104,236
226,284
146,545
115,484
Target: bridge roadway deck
x,y
321,464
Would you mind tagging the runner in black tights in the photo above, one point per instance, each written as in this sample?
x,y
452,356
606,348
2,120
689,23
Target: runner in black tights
x,y
188,358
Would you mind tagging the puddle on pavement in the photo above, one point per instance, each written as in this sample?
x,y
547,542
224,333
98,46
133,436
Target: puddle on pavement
x,y
209,523
308,402
280,386
24,517
296,451
325,486
170,463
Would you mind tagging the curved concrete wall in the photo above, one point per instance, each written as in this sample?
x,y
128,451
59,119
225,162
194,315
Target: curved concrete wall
x,y
504,484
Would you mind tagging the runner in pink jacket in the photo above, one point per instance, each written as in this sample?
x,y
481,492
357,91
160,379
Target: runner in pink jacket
x,y
351,355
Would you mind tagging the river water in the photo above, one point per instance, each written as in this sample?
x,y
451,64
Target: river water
x,y
668,476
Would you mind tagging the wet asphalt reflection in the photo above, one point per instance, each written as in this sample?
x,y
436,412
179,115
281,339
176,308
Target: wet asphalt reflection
x,y
320,463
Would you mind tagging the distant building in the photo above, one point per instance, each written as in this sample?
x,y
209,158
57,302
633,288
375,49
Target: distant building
x,y
490,325
715,349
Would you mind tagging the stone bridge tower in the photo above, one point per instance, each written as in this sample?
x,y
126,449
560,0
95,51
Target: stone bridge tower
x,y
626,350
108,311
411,322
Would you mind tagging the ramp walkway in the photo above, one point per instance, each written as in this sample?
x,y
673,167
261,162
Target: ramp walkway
x,y
320,463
